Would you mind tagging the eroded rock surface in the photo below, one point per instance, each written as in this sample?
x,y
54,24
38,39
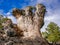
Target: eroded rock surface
x,y
27,30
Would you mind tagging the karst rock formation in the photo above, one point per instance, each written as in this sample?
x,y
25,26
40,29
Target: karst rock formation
x,y
27,30
29,21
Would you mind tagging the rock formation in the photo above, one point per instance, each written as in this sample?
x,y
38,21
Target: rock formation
x,y
8,31
31,23
27,29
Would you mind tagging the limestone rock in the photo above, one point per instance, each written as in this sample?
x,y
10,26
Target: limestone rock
x,y
31,23
27,30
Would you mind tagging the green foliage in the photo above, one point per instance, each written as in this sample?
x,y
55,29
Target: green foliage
x,y
1,26
52,33
1,21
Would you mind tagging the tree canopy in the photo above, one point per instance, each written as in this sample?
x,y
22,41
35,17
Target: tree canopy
x,y
52,33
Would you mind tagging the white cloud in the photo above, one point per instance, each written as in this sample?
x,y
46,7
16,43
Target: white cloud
x,y
12,18
8,13
46,1
52,16
53,12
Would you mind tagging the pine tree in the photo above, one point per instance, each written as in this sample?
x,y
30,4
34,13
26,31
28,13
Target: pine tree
x,y
52,33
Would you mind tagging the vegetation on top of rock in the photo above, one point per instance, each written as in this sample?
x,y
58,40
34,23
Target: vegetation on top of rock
x,y
2,20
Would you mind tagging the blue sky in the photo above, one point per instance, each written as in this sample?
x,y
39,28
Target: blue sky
x,y
52,7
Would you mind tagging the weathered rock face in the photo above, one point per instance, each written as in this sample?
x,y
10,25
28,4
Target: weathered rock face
x,y
28,30
30,24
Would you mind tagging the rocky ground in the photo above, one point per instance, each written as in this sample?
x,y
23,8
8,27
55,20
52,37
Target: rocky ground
x,y
15,40
8,35
12,39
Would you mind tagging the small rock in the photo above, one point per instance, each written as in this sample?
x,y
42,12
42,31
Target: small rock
x,y
9,43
